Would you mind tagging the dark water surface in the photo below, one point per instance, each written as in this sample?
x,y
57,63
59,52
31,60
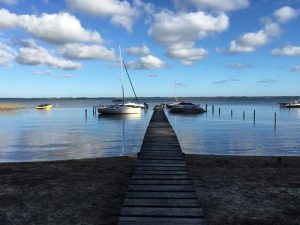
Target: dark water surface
x,y
64,133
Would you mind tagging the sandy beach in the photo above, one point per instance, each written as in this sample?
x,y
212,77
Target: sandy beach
x,y
232,189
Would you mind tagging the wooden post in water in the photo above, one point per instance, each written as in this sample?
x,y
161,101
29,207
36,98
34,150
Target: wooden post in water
x,y
275,120
85,113
254,116
206,107
243,115
213,109
231,113
219,111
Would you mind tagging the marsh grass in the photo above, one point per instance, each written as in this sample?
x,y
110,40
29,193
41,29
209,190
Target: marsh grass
x,y
11,106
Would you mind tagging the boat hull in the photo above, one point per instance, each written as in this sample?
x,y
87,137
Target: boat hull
x,y
44,107
187,110
119,110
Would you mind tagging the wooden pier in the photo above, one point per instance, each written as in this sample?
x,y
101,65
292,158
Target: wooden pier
x,y
161,191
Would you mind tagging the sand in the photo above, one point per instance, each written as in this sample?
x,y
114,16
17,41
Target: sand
x,y
232,190
64,192
247,190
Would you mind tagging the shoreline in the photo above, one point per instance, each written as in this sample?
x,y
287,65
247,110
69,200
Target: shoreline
x,y
232,189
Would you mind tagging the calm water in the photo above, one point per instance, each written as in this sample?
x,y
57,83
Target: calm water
x,y
64,133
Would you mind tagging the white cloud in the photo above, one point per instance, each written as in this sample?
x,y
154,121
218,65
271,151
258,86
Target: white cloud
x,y
36,55
252,40
7,54
296,69
182,30
148,62
219,5
138,50
58,28
9,2
120,12
87,52
186,52
285,14
288,50
170,27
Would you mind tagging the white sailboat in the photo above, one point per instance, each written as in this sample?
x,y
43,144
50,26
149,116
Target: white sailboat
x,y
121,108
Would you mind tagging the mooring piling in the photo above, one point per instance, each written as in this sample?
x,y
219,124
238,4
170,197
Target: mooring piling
x,y
275,120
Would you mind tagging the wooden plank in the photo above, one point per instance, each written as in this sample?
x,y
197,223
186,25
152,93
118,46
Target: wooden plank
x,y
148,187
160,221
161,194
162,202
160,172
165,162
161,168
161,176
162,157
162,211
161,165
162,182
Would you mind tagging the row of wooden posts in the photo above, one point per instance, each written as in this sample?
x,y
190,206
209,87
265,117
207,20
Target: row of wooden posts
x,y
244,114
212,110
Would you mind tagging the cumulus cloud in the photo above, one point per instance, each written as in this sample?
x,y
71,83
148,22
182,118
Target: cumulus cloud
x,y
219,5
121,13
248,42
7,54
186,52
87,52
296,69
170,27
36,55
138,50
148,62
288,50
9,2
55,28
180,31
285,14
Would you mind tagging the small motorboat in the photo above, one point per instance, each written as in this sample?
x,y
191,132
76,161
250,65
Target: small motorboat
x,y
119,109
293,104
186,107
169,106
44,106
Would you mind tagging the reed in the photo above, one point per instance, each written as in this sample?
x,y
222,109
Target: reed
x,y
10,106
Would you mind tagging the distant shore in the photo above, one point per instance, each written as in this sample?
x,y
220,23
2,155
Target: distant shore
x,y
232,189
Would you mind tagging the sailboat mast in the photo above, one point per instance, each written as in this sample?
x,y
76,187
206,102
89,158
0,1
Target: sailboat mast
x,y
175,88
122,75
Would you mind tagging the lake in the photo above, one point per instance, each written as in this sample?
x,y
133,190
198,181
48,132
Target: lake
x,y
65,133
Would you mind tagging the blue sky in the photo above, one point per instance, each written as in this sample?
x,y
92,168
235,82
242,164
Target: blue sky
x,y
211,48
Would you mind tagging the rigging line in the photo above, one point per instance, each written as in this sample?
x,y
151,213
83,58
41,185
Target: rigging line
x,y
130,81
